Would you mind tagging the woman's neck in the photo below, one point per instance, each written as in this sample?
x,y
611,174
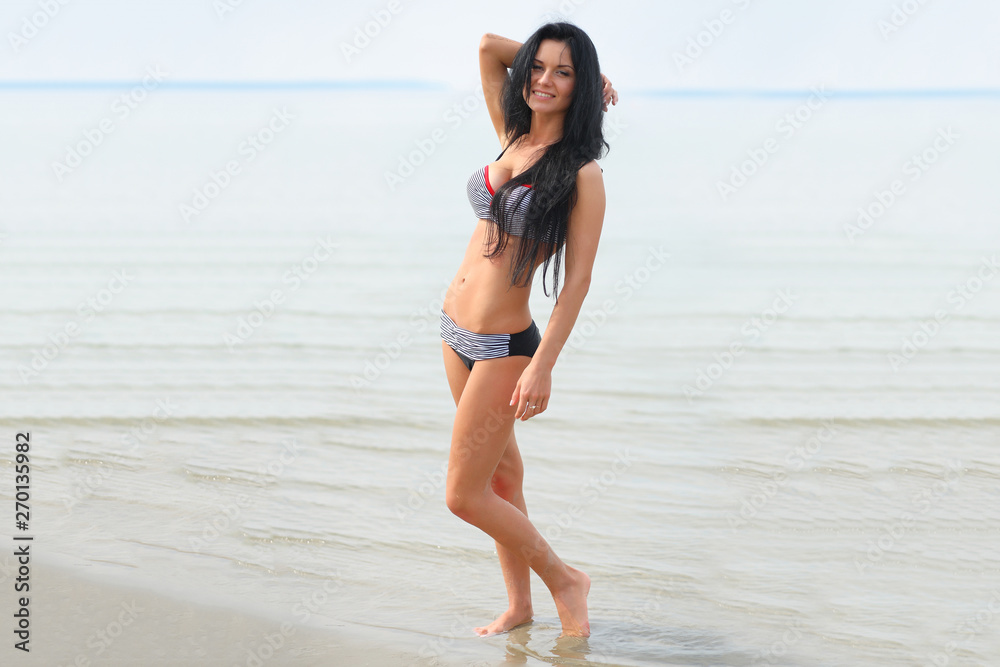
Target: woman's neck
x,y
545,129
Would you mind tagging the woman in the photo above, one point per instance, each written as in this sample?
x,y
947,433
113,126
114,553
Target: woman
x,y
542,197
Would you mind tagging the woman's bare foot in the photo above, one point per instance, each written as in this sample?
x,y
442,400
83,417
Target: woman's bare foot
x,y
511,618
571,603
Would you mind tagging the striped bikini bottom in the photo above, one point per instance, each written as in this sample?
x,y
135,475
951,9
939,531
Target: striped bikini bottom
x,y
472,347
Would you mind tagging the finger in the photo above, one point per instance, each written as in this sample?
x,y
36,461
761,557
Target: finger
x,y
516,395
529,411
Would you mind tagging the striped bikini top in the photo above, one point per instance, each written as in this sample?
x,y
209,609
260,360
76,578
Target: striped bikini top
x,y
481,194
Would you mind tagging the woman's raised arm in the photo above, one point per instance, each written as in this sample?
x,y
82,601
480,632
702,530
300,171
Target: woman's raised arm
x,y
496,54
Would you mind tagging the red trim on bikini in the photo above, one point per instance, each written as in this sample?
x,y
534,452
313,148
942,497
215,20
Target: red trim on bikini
x,y
486,177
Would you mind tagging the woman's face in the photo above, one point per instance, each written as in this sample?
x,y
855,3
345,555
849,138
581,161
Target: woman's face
x,y
552,78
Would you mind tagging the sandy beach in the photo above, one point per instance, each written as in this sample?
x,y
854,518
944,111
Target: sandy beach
x,y
83,614
86,613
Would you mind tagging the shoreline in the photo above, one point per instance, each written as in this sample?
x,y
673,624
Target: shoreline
x,y
82,614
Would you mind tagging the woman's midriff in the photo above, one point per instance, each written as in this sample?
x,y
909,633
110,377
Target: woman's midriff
x,y
480,297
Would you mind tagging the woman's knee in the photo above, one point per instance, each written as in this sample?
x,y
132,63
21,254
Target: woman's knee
x,y
462,504
508,478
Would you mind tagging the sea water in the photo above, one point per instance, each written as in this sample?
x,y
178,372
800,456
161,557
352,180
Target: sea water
x,y
771,438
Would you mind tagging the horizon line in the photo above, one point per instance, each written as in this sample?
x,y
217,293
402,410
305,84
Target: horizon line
x,y
236,84
411,84
833,92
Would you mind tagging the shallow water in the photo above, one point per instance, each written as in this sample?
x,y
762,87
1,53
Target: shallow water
x,y
765,449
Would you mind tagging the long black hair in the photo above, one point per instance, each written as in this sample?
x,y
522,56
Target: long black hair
x,y
553,176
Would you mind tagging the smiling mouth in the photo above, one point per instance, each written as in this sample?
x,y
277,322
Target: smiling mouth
x,y
538,93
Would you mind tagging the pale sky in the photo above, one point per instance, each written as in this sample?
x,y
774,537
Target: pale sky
x,y
758,44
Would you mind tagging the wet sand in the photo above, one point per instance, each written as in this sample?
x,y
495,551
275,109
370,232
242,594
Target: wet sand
x,y
81,616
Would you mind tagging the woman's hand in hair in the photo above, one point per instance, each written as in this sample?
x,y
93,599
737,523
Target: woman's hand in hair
x,y
609,94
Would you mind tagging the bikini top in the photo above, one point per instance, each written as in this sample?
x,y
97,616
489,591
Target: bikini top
x,y
481,194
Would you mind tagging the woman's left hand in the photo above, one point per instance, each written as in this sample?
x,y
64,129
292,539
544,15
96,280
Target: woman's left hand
x,y
608,93
531,393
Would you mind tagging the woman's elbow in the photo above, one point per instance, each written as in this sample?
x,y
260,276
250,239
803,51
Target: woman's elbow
x,y
578,284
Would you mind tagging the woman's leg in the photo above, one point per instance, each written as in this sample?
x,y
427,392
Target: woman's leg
x,y
507,483
484,420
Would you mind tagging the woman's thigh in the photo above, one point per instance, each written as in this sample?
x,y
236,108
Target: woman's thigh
x,y
456,371
484,422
